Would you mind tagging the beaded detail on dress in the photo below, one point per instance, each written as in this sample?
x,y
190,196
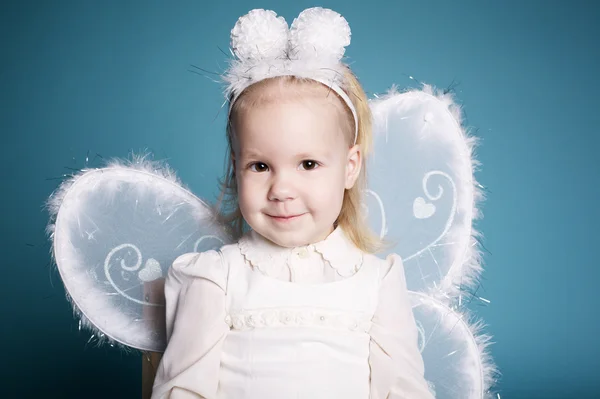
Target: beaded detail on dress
x,y
281,317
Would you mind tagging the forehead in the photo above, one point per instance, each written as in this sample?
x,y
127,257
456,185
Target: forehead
x,y
280,115
309,104
289,128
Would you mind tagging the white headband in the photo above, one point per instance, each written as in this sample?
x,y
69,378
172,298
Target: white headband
x,y
312,48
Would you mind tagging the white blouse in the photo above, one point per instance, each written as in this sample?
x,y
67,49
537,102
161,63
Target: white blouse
x,y
255,320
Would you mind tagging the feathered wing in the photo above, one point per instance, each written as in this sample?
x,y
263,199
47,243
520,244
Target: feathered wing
x,y
115,231
422,200
454,350
422,194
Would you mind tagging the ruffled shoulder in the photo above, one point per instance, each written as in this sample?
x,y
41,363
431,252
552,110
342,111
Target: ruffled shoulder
x,y
393,261
390,267
208,265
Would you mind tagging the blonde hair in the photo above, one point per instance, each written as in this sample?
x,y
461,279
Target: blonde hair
x,y
351,218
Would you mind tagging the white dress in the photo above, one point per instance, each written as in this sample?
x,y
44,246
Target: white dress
x,y
255,320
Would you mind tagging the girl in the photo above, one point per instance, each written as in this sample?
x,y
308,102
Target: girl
x,y
298,307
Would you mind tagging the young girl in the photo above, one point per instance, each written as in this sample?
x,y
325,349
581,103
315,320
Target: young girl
x,y
298,307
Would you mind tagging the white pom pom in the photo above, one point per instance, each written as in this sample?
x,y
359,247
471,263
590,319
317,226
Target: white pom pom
x,y
319,32
258,35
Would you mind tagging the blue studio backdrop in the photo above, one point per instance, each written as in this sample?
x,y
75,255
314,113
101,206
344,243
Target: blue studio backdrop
x,y
83,81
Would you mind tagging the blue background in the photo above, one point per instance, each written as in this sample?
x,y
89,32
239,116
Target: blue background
x,y
110,77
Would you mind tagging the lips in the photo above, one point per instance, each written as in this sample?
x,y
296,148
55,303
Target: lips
x,y
285,218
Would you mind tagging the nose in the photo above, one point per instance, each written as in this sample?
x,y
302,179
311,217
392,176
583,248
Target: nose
x,y
281,188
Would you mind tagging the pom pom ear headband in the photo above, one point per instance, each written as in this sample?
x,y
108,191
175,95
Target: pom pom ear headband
x,y
312,48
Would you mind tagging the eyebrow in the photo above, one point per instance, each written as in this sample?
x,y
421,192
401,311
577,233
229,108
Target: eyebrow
x,y
254,154
250,153
306,155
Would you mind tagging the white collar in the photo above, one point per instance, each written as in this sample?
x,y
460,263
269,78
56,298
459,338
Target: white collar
x,y
337,249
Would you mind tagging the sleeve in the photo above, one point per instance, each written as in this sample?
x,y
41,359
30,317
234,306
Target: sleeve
x,y
397,370
195,290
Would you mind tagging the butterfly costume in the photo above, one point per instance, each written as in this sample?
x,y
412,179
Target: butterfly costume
x,y
117,230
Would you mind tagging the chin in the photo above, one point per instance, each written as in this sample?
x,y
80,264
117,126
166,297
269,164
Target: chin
x,y
291,238
288,239
288,233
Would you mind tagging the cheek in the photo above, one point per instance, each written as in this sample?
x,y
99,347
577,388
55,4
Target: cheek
x,y
340,189
242,193
328,192
248,194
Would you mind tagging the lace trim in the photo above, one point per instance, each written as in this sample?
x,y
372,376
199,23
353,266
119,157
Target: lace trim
x,y
345,262
346,259
268,262
265,318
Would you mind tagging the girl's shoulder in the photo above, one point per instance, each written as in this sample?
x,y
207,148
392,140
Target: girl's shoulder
x,y
378,259
385,264
192,262
208,265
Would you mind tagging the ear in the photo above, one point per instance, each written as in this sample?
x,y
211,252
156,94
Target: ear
x,y
353,166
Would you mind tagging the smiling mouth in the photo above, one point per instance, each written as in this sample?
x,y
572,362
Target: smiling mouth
x,y
285,218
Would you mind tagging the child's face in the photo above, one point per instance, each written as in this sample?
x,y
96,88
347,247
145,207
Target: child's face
x,y
293,163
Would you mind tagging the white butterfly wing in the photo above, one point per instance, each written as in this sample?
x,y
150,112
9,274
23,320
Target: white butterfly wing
x,y
116,231
454,351
422,193
422,199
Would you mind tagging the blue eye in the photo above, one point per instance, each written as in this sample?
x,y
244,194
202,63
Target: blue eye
x,y
259,167
309,164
